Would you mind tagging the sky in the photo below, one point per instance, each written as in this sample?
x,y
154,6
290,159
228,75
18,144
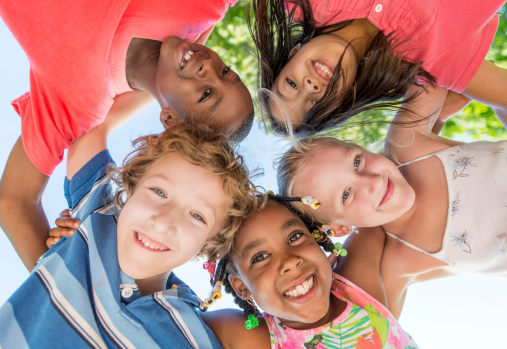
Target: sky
x,y
457,312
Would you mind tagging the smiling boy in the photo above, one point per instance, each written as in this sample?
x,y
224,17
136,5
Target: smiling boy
x,y
180,194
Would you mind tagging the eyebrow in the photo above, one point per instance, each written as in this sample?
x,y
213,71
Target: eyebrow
x,y
162,176
290,223
215,105
251,246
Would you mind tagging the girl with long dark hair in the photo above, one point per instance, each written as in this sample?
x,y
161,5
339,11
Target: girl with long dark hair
x,y
322,62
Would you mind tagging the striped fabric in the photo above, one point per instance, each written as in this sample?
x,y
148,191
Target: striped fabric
x,y
73,297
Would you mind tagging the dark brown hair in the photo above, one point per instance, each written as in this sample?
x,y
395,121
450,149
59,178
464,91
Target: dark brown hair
x,y
382,80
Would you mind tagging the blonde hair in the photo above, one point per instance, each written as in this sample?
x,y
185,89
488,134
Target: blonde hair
x,y
200,146
291,163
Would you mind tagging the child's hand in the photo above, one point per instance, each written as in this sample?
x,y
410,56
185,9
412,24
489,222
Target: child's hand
x,y
65,226
454,103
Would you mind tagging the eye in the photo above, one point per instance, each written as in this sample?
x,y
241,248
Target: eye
x,y
198,217
356,163
259,257
346,194
294,237
291,83
205,95
225,71
159,192
314,102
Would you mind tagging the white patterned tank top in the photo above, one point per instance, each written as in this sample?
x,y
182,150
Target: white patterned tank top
x,y
475,238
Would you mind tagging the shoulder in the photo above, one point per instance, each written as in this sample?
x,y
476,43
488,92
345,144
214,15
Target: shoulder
x,y
229,326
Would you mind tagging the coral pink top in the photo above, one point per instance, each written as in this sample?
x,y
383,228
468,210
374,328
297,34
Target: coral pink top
x,y
450,37
77,51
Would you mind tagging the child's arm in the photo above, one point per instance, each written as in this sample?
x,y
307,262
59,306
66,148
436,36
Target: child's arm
x,y
362,263
22,216
410,134
489,86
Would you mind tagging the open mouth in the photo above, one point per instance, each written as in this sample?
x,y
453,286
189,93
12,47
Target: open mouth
x,y
388,192
148,243
323,70
187,57
301,289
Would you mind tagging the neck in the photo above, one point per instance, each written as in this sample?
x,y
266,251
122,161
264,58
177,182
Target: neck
x,y
152,284
360,33
141,64
336,307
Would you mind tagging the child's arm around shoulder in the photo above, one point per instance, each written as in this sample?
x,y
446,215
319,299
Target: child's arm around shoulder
x,y
410,135
229,326
362,263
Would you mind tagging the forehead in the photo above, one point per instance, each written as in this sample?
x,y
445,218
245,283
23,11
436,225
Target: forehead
x,y
266,224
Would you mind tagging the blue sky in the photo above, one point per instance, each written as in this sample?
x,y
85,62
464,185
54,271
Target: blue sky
x,y
458,312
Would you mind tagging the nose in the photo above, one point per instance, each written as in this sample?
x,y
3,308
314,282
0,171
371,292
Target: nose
x,y
206,68
311,85
166,219
290,263
372,182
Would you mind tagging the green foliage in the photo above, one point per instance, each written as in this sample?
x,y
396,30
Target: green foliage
x,y
231,40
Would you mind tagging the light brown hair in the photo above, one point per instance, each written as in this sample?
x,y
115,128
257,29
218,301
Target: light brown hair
x,y
200,146
291,163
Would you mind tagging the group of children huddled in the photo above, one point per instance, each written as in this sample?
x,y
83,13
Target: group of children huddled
x,y
103,278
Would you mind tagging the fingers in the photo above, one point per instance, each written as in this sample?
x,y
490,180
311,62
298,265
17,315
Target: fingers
x,y
65,213
67,222
56,234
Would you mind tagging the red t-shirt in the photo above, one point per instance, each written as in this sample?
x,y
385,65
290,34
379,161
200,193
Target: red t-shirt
x,y
77,51
450,37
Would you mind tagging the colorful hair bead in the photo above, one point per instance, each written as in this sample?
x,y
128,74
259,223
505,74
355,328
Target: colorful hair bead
x,y
210,266
328,231
339,250
318,235
216,294
311,201
252,322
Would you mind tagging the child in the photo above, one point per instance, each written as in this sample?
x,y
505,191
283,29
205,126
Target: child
x,y
324,61
181,193
443,207
86,54
277,264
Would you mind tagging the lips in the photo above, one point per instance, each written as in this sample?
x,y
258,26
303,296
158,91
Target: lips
x,y
388,192
323,69
303,290
149,243
183,52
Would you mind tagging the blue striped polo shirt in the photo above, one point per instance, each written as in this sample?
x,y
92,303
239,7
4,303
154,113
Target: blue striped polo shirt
x,y
78,297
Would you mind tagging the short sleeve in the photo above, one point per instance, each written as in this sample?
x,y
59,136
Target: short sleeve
x,y
89,189
49,124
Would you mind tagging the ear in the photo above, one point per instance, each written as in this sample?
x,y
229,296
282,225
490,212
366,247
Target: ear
x,y
239,287
341,230
169,118
294,50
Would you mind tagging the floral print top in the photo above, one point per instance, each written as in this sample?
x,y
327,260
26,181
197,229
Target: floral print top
x,y
364,324
475,238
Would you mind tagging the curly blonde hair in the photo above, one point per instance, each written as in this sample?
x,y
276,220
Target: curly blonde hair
x,y
200,146
291,163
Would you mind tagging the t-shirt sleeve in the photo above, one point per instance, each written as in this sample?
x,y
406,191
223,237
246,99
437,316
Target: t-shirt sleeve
x,y
90,189
49,124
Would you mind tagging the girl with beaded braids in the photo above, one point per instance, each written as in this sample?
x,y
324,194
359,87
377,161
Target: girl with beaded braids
x,y
310,300
322,62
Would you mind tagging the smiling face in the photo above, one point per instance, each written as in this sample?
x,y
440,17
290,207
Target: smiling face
x,y
354,187
282,266
194,83
304,80
174,209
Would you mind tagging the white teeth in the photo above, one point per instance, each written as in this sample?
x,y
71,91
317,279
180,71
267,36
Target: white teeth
x,y
187,56
301,289
324,69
